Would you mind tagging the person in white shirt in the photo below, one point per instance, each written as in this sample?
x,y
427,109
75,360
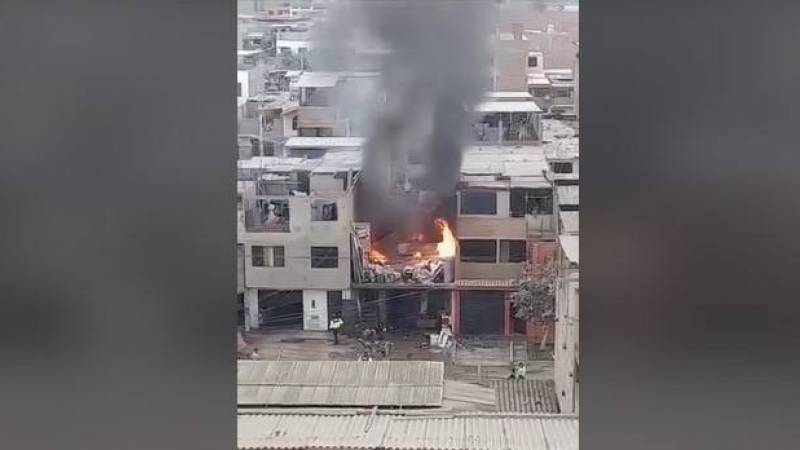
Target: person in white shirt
x,y
336,326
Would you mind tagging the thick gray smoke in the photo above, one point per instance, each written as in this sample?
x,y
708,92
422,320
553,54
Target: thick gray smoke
x,y
434,70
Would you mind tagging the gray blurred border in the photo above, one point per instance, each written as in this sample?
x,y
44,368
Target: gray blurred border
x,y
117,183
690,224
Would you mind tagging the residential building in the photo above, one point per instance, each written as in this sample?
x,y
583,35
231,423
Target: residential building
x,y
294,221
507,117
321,113
567,362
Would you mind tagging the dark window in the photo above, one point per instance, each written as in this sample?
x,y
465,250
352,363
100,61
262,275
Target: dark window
x,y
325,132
324,257
278,258
533,61
568,207
531,201
479,202
268,256
541,92
258,256
341,176
294,122
323,210
513,251
238,89
478,250
307,132
562,167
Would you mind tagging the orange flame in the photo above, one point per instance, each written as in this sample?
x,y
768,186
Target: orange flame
x,y
447,247
377,257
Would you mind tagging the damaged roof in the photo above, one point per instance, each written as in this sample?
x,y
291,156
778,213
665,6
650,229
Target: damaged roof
x,y
364,431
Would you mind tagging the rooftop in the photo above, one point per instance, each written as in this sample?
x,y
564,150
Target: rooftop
x,y
248,52
509,95
324,142
525,396
331,162
356,431
318,79
498,106
521,163
341,383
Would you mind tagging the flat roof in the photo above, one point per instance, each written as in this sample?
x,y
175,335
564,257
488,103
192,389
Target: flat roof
x,y
318,79
509,94
365,431
518,162
569,242
242,52
495,106
324,142
341,383
331,162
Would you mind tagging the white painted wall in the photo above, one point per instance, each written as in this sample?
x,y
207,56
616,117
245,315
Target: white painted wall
x,y
297,273
315,310
293,45
251,309
243,79
566,341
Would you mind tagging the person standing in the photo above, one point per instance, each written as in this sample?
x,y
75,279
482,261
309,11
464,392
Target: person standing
x,y
335,326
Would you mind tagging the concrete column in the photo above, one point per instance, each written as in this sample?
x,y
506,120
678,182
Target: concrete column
x,y
383,314
251,309
455,311
507,322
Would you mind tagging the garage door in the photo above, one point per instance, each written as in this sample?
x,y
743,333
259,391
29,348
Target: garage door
x,y
482,312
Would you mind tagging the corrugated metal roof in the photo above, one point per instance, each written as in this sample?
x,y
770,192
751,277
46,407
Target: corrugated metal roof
x,y
396,432
569,243
570,221
324,142
340,383
286,431
525,396
495,106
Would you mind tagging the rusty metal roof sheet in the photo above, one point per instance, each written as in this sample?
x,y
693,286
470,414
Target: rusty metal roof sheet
x,y
397,432
525,396
341,383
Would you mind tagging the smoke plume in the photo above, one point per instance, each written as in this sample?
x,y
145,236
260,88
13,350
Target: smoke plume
x,y
434,69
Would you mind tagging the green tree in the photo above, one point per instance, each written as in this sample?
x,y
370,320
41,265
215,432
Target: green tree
x,y
536,296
